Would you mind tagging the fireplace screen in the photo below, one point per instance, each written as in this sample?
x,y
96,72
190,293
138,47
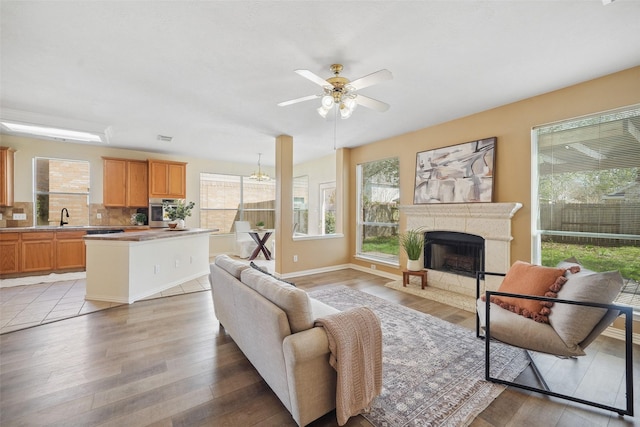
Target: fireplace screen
x,y
458,253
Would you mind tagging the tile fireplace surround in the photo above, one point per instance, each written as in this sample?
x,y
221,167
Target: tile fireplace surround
x,y
491,221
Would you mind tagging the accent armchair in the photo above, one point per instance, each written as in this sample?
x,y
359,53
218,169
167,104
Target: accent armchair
x,y
573,323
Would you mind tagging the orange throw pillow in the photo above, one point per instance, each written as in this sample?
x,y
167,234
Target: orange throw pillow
x,y
528,279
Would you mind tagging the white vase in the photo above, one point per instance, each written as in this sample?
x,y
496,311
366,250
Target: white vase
x,y
180,224
414,265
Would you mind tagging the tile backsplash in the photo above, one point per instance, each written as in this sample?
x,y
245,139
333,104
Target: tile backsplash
x,y
108,216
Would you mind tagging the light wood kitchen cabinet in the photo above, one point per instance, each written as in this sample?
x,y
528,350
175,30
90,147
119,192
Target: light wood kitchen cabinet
x,y
37,251
167,179
10,249
137,183
125,183
6,176
70,250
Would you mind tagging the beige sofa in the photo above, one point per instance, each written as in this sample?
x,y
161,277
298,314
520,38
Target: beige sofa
x,y
273,324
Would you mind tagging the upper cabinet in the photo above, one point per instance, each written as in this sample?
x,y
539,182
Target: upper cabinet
x,y
167,179
6,176
125,183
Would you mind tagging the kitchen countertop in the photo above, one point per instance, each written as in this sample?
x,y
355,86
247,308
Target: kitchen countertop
x,y
72,228
152,234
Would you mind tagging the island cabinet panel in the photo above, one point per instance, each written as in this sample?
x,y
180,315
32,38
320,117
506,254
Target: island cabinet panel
x,y
167,179
37,251
6,176
70,250
125,183
10,250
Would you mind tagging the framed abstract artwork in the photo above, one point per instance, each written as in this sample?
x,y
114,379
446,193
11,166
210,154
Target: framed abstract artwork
x,y
461,173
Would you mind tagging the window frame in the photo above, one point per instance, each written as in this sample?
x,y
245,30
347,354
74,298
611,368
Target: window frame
x,y
37,192
360,223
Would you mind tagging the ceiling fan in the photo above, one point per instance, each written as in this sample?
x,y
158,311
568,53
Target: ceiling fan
x,y
340,92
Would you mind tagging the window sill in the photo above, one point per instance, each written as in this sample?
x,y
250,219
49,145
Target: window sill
x,y
383,261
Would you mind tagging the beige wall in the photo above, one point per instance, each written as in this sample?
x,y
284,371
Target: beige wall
x,y
511,124
28,148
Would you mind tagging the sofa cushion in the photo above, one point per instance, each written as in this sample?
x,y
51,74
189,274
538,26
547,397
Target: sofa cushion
x,y
266,271
230,265
573,323
293,301
528,279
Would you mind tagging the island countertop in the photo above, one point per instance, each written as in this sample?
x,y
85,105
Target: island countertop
x,y
152,234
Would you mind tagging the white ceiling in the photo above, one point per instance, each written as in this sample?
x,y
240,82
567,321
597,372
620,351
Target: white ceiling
x,y
210,73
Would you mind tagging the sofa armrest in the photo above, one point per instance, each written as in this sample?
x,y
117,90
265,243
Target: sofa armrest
x,y
311,380
306,345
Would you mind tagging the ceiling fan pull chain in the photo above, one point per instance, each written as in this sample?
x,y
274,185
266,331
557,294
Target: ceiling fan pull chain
x,y
335,128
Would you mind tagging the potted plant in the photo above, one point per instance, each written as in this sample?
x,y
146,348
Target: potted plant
x,y
412,241
140,218
178,212
260,225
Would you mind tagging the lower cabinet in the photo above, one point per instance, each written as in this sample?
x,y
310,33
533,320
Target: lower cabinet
x,y
10,250
37,252
42,252
70,250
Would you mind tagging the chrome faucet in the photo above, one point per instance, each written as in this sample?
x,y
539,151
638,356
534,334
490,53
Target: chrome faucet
x,y
62,221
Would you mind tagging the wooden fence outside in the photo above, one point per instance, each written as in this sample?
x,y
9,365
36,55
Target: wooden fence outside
x,y
614,218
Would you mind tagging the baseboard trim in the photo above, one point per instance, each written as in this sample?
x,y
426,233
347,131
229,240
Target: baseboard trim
x,y
390,276
620,335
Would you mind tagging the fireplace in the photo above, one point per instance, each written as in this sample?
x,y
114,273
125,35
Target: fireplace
x,y
488,223
454,252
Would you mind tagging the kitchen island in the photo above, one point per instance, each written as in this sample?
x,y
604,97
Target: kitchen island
x,y
127,267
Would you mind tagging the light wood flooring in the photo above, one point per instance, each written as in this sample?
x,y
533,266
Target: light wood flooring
x,y
165,362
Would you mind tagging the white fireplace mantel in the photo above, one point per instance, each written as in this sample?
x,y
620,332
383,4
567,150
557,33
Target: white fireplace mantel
x,y
492,221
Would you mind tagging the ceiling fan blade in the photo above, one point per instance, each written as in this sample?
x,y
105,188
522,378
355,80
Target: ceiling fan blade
x,y
374,104
295,101
314,78
371,79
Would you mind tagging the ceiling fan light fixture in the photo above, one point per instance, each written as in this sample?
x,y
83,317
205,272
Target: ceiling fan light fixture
x,y
323,111
327,102
345,112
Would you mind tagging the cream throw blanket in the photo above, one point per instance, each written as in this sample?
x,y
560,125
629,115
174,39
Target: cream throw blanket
x,y
355,342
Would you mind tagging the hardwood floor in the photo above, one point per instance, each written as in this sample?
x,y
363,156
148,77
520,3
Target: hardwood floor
x,y
166,362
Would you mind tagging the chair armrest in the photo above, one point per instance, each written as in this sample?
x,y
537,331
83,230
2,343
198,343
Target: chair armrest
x,y
480,275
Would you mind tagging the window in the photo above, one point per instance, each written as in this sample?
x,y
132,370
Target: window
x,y
587,194
378,196
328,207
301,205
225,199
61,184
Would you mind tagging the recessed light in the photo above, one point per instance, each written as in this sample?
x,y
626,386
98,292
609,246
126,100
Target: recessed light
x,y
51,132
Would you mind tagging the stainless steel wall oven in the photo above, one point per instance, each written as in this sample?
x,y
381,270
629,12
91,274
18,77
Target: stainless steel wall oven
x,y
157,213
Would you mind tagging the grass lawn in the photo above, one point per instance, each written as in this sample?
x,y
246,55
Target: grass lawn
x,y
385,245
626,259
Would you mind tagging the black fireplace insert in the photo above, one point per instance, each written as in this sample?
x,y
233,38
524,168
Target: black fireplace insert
x,y
454,252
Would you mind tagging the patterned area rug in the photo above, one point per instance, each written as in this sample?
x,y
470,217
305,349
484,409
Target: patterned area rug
x,y
433,370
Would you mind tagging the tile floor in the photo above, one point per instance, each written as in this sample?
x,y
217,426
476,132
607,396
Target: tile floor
x,y
30,305
35,300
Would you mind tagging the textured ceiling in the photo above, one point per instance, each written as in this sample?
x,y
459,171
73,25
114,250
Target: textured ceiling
x,y
210,73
